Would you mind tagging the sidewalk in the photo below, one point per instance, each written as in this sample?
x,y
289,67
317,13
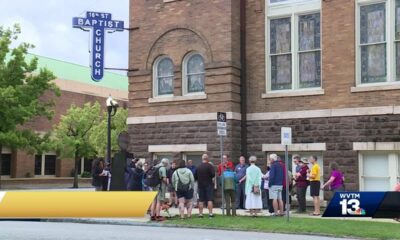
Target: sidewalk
x,y
145,221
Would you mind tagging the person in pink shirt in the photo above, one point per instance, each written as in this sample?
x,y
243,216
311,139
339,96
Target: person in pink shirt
x,y
336,181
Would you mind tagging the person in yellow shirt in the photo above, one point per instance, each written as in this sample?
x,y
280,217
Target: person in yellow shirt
x,y
315,184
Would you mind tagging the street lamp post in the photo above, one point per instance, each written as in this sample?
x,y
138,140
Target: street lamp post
x,y
112,107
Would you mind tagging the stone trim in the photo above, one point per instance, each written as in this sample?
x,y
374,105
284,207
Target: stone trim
x,y
293,93
376,146
372,88
177,148
181,118
325,113
301,147
6,150
188,97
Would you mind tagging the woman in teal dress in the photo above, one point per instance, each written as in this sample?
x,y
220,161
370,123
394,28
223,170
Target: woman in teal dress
x,y
253,187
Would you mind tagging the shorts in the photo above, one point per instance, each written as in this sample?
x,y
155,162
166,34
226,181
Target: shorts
x,y
161,190
188,195
275,192
206,193
314,188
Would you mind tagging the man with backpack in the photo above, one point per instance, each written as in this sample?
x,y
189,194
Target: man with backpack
x,y
183,184
156,180
229,179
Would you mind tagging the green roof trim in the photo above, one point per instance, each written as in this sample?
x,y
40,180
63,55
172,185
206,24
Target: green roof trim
x,y
74,72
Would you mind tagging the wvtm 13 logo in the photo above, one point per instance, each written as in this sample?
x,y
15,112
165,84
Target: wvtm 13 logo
x,y
350,203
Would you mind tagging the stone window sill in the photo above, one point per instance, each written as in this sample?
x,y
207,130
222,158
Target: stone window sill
x,y
376,87
178,98
293,93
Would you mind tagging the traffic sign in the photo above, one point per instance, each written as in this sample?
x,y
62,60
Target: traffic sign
x,y
221,132
221,124
221,116
286,136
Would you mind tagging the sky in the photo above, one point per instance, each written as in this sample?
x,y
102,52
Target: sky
x,y
48,25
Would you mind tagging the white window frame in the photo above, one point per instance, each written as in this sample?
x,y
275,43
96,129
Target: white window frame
x,y
185,91
390,44
393,165
185,154
289,2
43,164
82,165
155,77
156,154
284,10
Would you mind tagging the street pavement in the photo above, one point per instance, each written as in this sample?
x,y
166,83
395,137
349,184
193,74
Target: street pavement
x,y
17,230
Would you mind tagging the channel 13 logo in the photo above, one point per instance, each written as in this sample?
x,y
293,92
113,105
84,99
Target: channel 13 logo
x,y
350,203
364,204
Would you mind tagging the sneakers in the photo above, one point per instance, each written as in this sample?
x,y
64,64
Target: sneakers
x,y
201,216
210,215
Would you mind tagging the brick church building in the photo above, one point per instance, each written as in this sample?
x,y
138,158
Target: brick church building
x,y
329,69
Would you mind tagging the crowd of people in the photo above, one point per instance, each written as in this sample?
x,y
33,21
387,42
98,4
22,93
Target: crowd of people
x,y
245,186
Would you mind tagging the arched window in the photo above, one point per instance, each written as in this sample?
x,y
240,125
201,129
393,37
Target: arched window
x,y
194,74
163,76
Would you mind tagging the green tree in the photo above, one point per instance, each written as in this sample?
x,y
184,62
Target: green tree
x,y
98,137
71,134
21,88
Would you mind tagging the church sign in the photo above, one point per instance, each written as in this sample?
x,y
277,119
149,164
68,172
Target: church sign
x,y
98,23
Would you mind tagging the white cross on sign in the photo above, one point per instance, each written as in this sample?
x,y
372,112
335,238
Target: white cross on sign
x,y
221,124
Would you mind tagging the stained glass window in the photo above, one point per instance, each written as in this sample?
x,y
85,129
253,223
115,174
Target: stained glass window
x,y
397,29
309,51
195,74
281,56
373,43
165,76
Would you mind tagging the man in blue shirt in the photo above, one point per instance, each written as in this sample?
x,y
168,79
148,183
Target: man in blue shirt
x,y
240,171
276,182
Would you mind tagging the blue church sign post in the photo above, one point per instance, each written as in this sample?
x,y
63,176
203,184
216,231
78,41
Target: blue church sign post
x,y
98,23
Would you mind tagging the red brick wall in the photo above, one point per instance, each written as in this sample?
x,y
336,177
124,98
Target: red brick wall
x,y
175,29
338,64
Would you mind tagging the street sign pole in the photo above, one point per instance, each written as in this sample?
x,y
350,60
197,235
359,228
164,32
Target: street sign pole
x,y
286,140
287,183
221,131
221,146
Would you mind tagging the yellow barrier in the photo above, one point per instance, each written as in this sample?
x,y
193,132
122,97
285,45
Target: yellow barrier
x,y
74,204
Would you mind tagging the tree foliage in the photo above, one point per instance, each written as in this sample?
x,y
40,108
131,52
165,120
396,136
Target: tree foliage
x,y
98,137
71,135
21,87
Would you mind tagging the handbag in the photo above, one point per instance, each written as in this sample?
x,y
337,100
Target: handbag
x,y
256,189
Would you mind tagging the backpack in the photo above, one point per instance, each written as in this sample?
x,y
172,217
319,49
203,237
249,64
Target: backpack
x,y
182,187
152,177
229,180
